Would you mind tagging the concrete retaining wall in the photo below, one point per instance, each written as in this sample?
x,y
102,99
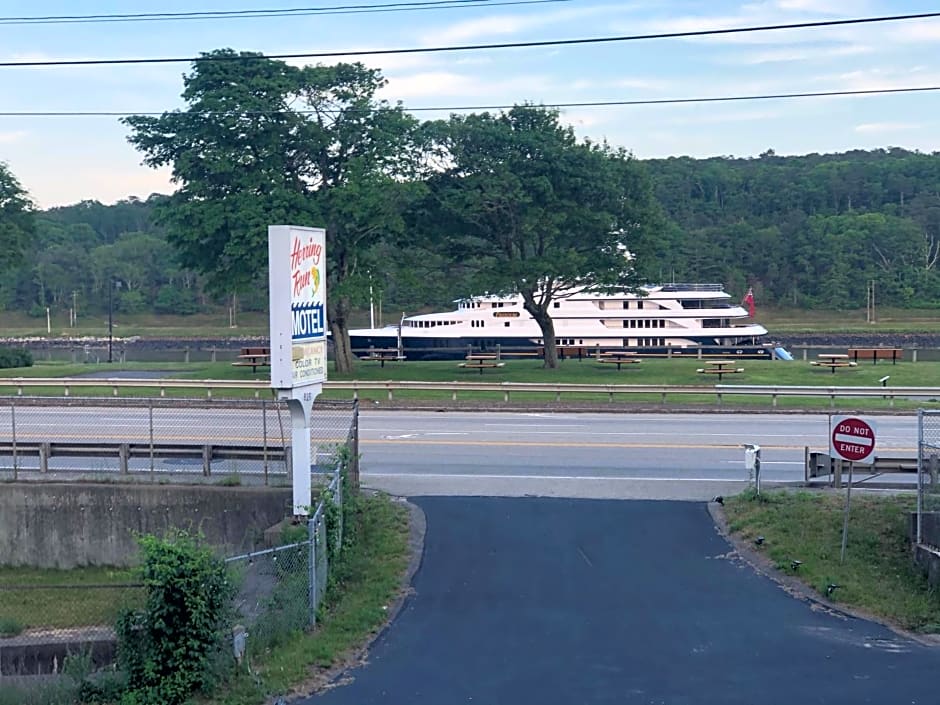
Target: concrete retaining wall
x,y
66,525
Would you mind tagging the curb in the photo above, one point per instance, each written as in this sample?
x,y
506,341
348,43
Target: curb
x,y
336,675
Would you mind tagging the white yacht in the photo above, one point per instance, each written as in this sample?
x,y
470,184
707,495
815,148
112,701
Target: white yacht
x,y
677,319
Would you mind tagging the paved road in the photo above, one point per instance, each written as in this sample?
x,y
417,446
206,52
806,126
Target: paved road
x,y
615,455
622,455
566,602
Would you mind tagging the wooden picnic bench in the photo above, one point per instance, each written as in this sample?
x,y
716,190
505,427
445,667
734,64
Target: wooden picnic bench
x,y
720,368
875,354
833,361
481,361
254,358
617,357
383,355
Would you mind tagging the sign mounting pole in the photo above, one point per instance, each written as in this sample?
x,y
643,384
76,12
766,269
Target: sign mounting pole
x,y
851,439
297,291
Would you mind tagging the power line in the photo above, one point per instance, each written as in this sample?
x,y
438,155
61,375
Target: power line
x,y
273,12
476,47
460,108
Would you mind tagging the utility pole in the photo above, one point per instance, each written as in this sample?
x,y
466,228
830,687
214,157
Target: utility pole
x,y
870,302
110,318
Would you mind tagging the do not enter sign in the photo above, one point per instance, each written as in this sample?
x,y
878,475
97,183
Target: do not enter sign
x,y
852,439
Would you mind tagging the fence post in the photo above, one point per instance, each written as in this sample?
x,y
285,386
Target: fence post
x,y
312,571
207,460
353,470
13,429
150,410
123,454
264,433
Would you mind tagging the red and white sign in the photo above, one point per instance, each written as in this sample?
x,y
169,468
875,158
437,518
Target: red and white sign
x,y
852,439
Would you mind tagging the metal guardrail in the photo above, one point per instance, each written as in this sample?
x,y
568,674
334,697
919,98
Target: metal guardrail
x,y
507,389
125,452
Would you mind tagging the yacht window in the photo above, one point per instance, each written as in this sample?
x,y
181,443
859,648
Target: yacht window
x,y
557,304
506,324
626,304
639,304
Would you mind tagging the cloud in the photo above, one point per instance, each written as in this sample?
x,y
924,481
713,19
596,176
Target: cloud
x,y
13,136
512,24
448,83
881,127
800,54
918,31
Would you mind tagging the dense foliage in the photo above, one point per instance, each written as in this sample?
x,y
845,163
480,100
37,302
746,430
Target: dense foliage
x,y
808,231
166,649
261,143
538,211
16,219
15,357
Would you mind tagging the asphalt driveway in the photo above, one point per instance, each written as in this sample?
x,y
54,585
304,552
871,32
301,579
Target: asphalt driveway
x,y
557,601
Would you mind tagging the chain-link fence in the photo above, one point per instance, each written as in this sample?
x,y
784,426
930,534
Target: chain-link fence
x,y
55,620
928,478
161,439
281,589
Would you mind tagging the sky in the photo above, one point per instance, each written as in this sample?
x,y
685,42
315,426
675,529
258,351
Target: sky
x,y
63,160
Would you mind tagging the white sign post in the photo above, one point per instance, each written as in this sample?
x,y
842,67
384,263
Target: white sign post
x,y
851,439
297,289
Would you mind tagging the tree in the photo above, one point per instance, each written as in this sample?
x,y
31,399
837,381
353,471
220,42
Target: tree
x,y
262,142
542,213
16,219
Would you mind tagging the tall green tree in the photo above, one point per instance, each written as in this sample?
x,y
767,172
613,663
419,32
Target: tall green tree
x,y
540,212
16,219
262,142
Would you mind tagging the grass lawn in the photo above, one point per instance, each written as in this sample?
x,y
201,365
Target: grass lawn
x,y
369,578
72,604
650,371
878,575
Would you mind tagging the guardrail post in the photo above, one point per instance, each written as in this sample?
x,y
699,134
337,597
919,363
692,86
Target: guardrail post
x,y
123,454
390,393
914,355
806,464
150,414
13,431
773,400
45,450
932,467
453,394
207,460
836,472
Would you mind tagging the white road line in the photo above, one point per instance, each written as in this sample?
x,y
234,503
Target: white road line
x,y
596,478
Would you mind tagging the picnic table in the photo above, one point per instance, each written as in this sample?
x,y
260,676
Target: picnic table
x,y
720,368
875,354
481,361
383,355
254,358
618,357
833,361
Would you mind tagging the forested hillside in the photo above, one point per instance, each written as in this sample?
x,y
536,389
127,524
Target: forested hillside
x,y
808,231
76,251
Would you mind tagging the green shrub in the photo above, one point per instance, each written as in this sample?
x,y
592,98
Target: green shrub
x,y
15,357
9,626
170,648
